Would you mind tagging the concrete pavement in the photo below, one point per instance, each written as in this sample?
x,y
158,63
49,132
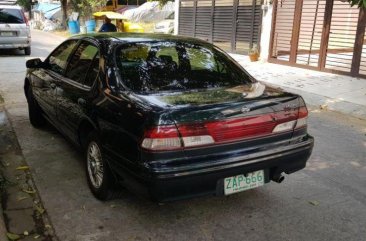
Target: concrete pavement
x,y
339,93
326,201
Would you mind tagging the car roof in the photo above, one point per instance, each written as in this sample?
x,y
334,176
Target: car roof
x,y
138,37
10,6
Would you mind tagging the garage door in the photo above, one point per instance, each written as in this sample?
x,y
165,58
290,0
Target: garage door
x,y
233,25
326,35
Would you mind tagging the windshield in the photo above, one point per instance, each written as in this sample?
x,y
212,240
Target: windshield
x,y
174,66
11,16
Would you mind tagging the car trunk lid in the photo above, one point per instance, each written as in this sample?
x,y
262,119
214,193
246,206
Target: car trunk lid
x,y
213,117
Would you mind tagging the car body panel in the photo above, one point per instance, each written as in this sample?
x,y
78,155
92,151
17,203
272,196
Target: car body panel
x,y
121,117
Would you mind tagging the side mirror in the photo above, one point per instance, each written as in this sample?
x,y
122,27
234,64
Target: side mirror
x,y
34,63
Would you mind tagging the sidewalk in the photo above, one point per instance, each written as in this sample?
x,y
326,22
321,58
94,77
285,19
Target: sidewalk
x,y
22,214
324,90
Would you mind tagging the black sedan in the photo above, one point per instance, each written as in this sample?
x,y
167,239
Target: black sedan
x,y
166,117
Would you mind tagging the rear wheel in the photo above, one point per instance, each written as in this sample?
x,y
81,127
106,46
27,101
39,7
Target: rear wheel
x,y
27,50
35,113
100,180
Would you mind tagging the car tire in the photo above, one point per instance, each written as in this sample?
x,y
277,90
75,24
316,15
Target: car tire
x,y
27,51
99,176
36,117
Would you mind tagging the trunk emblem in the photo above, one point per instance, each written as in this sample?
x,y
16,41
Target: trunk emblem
x,y
245,109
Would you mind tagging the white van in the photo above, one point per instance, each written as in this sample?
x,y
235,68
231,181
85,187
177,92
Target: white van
x,y
14,29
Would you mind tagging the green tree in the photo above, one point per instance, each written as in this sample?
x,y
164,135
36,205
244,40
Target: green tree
x,y
25,4
359,3
162,2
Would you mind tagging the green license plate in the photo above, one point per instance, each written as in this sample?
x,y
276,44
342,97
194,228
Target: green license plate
x,y
241,182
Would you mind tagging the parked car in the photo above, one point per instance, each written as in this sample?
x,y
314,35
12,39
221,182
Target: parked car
x,y
14,29
167,117
166,26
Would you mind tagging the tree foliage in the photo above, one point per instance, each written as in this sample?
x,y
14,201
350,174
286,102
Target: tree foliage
x,y
25,4
359,3
162,2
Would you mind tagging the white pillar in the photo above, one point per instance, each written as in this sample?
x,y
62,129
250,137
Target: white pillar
x,y
266,32
176,17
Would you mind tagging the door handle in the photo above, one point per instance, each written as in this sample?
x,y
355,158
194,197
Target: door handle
x,y
53,86
81,101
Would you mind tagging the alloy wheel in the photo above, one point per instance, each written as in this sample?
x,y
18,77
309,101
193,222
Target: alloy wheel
x,y
95,164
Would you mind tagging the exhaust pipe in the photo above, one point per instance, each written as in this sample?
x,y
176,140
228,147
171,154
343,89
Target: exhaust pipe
x,y
280,178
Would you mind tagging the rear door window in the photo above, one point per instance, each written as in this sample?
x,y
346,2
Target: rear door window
x,y
82,61
58,59
11,16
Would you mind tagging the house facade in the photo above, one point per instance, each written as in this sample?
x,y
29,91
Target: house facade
x,y
324,35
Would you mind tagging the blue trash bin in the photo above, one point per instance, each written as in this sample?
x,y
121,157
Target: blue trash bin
x,y
90,26
74,27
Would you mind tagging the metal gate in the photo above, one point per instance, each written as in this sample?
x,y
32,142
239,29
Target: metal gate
x,y
326,35
233,25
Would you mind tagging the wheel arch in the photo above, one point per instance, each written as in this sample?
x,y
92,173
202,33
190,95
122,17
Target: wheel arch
x,y
26,86
84,129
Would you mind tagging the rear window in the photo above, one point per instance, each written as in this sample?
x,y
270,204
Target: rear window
x,y
174,66
11,16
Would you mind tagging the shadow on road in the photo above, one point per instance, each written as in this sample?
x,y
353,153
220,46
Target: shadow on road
x,y
11,52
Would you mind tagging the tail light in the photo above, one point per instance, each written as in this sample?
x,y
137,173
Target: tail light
x,y
301,121
171,137
302,118
162,138
168,137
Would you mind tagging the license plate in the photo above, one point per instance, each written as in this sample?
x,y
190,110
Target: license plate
x,y
241,183
7,34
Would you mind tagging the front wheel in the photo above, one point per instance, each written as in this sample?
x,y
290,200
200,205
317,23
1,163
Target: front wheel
x,y
99,176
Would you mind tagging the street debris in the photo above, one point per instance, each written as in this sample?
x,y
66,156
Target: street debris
x,y
39,209
22,168
314,203
12,236
29,191
323,107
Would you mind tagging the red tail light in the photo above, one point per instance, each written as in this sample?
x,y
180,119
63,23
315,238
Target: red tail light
x,y
162,138
302,117
199,134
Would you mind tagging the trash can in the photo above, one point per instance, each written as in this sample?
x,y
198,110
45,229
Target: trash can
x,y
73,27
90,26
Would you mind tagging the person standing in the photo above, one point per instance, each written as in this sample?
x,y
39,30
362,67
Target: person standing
x,y
108,26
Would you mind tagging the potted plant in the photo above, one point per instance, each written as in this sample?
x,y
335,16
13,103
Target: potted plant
x,y
254,54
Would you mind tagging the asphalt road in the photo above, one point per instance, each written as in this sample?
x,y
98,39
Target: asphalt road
x,y
325,201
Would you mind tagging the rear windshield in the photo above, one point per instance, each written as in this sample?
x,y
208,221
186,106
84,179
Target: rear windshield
x,y
174,66
11,16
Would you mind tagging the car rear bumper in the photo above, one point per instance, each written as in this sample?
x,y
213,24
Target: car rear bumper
x,y
163,185
14,43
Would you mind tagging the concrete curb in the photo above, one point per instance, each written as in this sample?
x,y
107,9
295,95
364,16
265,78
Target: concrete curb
x,y
3,230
